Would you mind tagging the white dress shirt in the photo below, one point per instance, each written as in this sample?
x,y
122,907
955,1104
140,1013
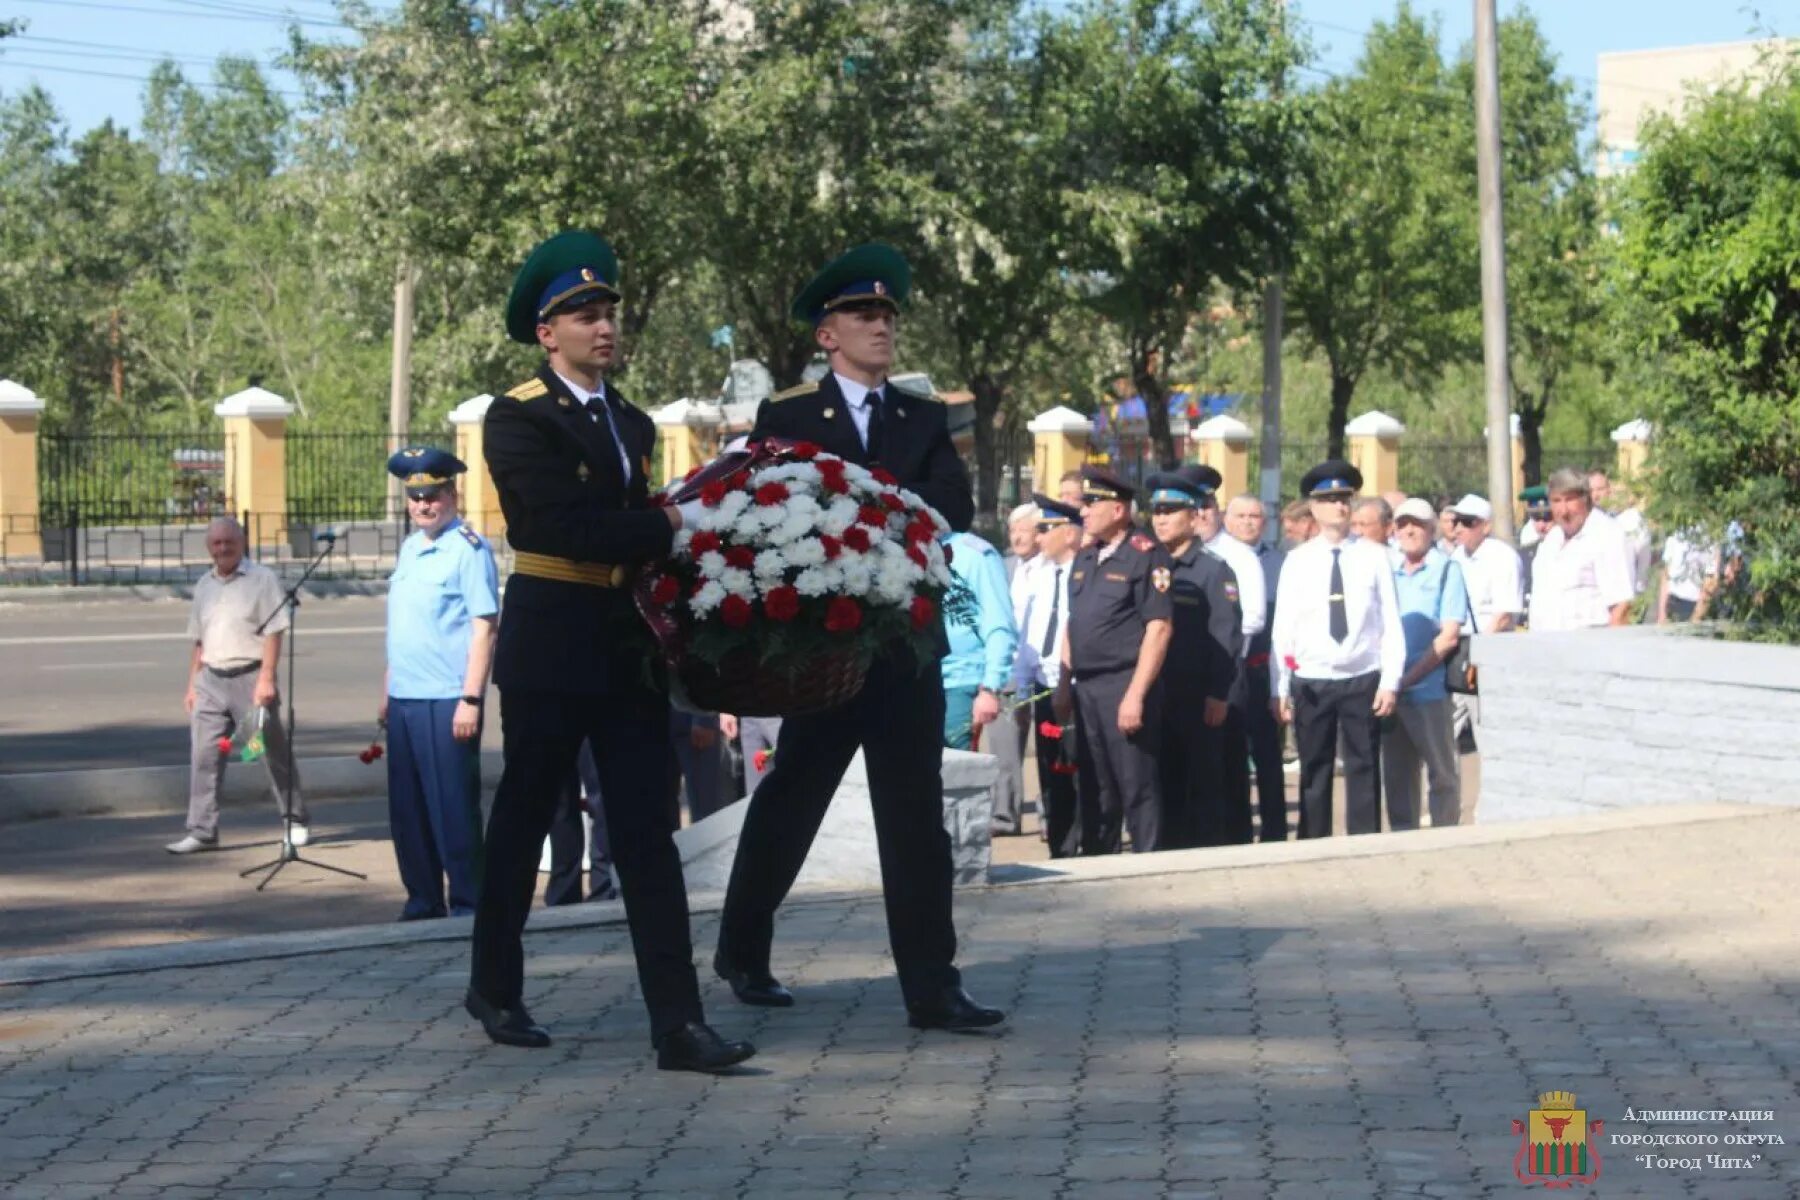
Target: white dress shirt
x,y
857,400
1253,596
1033,670
1495,576
1689,562
1021,587
583,395
227,610
1575,581
1302,633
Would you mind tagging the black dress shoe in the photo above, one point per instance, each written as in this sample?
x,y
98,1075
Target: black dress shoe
x,y
507,1026
695,1047
753,987
952,1009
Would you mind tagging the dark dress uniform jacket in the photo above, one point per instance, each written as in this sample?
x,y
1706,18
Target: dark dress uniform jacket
x,y
564,494
1110,603
1202,663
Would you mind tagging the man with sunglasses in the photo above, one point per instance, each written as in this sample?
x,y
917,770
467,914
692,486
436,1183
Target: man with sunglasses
x,y
1339,652
442,612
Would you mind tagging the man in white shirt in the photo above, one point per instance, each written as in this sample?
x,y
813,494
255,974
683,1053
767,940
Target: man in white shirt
x,y
1490,567
1007,735
1616,504
1339,652
231,681
1690,577
1037,667
1581,574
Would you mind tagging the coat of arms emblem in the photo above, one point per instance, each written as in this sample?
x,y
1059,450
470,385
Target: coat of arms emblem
x,y
1553,1144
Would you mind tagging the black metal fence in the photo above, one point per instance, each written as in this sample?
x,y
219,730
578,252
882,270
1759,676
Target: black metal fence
x,y
131,478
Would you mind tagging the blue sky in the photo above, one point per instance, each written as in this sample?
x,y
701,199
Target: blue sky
x,y
92,55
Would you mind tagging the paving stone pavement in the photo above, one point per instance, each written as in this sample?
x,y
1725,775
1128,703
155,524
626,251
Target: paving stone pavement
x,y
1360,1027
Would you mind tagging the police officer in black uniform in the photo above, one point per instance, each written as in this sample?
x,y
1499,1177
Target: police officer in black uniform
x,y
1117,636
1199,675
571,462
898,717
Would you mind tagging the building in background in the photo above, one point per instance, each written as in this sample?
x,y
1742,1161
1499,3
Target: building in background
x,y
1635,84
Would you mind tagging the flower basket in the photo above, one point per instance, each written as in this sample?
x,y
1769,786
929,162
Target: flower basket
x,y
803,568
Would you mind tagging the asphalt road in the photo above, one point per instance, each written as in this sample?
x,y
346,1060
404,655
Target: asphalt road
x,y
94,685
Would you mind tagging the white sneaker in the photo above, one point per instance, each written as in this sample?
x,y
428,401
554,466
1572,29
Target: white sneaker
x,y
191,845
299,834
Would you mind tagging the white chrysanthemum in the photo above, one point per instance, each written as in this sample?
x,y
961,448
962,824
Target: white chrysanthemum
x,y
738,582
806,552
814,581
709,597
839,516
711,563
794,527
769,566
858,574
683,536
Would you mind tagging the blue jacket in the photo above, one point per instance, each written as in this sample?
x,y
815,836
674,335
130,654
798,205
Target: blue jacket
x,y
981,643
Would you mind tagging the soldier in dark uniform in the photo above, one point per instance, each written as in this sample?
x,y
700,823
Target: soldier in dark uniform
x,y
898,717
1199,676
571,462
1117,636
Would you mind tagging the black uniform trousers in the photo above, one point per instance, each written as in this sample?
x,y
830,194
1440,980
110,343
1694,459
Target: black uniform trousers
x,y
1265,751
571,837
541,732
1324,709
898,720
1062,814
1119,786
1205,787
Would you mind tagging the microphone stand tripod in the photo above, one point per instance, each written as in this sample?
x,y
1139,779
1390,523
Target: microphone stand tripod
x,y
291,602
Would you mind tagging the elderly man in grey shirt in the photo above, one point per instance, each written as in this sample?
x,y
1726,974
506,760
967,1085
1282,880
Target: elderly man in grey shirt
x,y
231,674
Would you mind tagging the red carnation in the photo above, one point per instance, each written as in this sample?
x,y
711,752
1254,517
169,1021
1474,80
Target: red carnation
x,y
665,590
740,556
805,451
735,612
832,546
857,538
831,476
367,757
923,611
1050,731
376,750
703,542
737,479
917,555
782,603
761,759
868,514
224,745
771,493
883,476
920,530
893,502
843,615
1292,663
712,494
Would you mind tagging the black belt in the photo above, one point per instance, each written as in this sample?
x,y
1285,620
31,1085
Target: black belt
x,y
232,672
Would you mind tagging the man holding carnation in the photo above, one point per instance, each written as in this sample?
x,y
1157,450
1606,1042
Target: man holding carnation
x,y
898,717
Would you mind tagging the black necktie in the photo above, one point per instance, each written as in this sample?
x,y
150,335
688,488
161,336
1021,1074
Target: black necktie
x,y
1340,616
1049,646
874,441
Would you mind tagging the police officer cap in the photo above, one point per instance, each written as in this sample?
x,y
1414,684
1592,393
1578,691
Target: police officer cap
x,y
1054,512
1100,484
1334,475
871,274
422,468
1174,487
1536,498
564,272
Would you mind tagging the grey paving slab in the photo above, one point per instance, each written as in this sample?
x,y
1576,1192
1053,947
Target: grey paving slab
x,y
1365,1025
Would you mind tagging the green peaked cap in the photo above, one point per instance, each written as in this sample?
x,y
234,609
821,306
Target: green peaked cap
x,y
870,273
573,268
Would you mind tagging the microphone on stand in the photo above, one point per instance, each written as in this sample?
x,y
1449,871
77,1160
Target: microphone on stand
x,y
328,536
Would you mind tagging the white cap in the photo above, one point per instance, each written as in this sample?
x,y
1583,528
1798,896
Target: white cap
x,y
1416,508
1473,506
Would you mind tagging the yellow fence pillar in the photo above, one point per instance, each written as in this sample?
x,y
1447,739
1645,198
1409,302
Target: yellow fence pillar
x,y
1059,445
256,463
479,502
1374,441
1633,441
1223,443
20,411
687,431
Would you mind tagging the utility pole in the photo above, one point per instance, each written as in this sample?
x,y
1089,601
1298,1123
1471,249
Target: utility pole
x,y
1493,269
400,386
1274,318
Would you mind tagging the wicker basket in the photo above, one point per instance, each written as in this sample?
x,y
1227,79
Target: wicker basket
x,y
745,688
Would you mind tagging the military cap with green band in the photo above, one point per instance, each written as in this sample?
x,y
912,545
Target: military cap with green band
x,y
870,274
563,272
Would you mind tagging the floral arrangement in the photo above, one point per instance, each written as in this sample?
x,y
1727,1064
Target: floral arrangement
x,y
800,557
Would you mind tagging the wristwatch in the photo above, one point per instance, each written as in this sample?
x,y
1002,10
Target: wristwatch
x,y
475,700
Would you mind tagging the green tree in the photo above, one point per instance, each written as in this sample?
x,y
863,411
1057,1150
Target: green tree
x,y
1710,220
1384,268
1180,141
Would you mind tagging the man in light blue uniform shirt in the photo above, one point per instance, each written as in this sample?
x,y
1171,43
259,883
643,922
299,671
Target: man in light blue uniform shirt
x,y
443,607
1434,605
978,616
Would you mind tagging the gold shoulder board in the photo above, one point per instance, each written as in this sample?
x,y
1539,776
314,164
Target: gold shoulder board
x,y
531,389
799,389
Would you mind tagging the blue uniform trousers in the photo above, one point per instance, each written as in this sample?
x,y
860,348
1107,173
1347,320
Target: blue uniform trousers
x,y
434,807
